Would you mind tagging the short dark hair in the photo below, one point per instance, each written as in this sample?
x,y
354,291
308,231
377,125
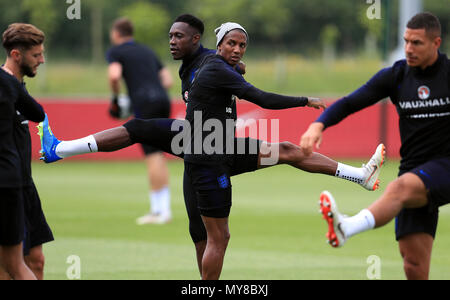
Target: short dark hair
x,y
426,21
192,21
124,27
22,36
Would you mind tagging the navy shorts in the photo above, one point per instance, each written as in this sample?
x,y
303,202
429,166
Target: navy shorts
x,y
12,216
435,174
212,186
159,133
37,231
154,110
154,134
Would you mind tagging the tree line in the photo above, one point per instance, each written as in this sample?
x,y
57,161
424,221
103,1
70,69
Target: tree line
x,y
297,26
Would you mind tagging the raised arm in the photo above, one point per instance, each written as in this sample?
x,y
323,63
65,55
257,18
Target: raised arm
x,y
225,77
376,89
275,101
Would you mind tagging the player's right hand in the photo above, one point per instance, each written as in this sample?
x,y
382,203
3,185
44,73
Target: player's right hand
x,y
316,103
312,137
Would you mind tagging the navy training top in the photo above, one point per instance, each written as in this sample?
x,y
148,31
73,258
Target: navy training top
x,y
211,109
141,69
422,99
15,147
189,67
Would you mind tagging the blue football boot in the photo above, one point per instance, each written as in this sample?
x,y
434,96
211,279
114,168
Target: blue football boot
x,y
48,142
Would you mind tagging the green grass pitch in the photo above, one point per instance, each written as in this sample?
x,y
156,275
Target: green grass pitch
x,y
276,231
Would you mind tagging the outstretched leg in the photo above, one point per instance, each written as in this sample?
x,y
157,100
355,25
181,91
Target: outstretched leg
x,y
106,141
293,155
113,139
158,133
408,191
414,200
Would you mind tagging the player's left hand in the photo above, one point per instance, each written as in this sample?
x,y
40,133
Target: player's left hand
x,y
241,67
114,108
316,103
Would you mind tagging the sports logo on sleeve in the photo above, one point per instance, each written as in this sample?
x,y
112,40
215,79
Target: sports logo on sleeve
x,y
424,92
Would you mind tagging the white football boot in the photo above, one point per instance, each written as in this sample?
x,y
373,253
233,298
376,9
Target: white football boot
x,y
328,208
373,168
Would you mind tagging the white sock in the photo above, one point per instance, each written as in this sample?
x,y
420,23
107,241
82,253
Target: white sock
x,y
77,147
350,173
154,203
361,222
160,202
164,198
